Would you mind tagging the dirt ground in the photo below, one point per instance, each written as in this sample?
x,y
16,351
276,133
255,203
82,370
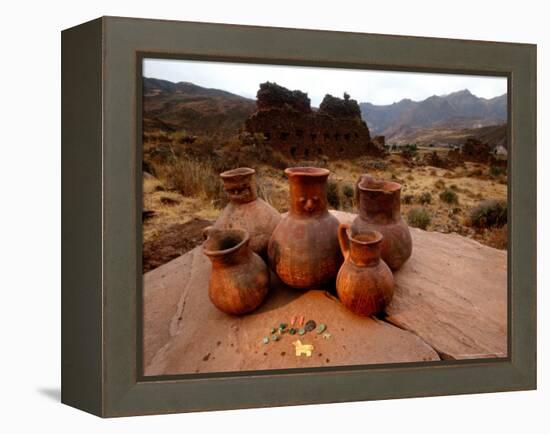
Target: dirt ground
x,y
173,222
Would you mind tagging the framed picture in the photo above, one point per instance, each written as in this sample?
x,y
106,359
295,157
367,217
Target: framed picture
x,y
259,216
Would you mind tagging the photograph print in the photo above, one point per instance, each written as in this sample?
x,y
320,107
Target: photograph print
x,y
304,217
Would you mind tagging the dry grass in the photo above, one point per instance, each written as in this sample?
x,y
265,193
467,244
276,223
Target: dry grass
x,y
186,188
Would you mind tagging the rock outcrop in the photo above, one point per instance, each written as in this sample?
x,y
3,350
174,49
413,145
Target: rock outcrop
x,y
450,302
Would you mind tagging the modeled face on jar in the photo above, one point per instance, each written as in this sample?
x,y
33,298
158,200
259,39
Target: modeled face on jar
x,y
240,192
309,203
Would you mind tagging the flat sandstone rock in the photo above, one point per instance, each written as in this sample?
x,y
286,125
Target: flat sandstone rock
x,y
450,299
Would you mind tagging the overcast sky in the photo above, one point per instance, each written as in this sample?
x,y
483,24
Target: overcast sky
x,y
377,87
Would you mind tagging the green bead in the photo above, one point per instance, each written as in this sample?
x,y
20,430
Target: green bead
x,y
275,337
302,331
282,326
321,328
273,330
292,331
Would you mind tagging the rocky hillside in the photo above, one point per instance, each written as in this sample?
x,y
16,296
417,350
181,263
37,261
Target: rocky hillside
x,y
193,109
494,135
456,111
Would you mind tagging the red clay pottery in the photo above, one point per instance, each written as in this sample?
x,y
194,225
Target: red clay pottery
x,y
379,204
303,249
364,283
239,281
246,210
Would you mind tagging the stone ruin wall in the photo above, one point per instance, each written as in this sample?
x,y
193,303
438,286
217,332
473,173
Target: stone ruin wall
x,y
292,127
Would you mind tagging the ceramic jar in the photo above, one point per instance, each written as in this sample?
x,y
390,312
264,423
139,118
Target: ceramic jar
x,y
364,283
303,250
239,280
379,204
246,210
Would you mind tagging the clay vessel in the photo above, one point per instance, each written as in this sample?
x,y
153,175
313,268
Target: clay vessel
x,y
303,250
364,283
246,210
239,281
379,204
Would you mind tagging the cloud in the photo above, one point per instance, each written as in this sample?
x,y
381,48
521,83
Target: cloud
x,y
377,87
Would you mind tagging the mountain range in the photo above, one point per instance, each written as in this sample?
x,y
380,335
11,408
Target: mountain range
x,y
402,120
438,120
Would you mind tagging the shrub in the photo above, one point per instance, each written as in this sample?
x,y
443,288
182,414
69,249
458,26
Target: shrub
x,y
348,191
448,196
419,218
489,213
333,194
496,171
425,198
408,198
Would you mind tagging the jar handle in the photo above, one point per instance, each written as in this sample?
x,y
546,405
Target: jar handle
x,y
207,231
343,239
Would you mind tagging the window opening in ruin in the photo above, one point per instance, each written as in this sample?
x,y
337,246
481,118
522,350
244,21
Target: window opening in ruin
x,y
320,151
326,136
313,136
341,150
337,136
284,135
306,152
299,133
347,136
293,151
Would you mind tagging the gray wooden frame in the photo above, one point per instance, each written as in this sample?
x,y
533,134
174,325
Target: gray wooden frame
x,y
101,216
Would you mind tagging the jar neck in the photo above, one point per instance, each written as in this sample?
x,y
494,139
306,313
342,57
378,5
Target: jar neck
x,y
236,257
308,196
380,205
364,255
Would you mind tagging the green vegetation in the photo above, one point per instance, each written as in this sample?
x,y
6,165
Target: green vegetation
x,y
333,194
425,198
449,196
348,191
408,199
489,213
496,171
419,218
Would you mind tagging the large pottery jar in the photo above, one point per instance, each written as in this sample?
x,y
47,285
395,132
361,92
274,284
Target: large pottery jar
x,y
246,210
364,283
379,204
303,249
239,281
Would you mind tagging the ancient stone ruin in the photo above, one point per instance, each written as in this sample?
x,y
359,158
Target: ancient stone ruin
x,y
289,124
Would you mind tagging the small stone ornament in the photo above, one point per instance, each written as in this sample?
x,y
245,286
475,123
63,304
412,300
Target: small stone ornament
x,y
302,349
310,325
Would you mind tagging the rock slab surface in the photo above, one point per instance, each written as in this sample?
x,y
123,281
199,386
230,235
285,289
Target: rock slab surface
x,y
450,302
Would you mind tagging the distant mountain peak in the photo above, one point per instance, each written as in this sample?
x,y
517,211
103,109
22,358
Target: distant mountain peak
x,y
460,107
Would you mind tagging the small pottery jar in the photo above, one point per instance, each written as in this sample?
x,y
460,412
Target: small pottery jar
x,y
246,210
364,283
239,281
303,250
379,204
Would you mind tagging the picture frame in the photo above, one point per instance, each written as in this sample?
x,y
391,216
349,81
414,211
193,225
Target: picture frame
x,y
101,216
